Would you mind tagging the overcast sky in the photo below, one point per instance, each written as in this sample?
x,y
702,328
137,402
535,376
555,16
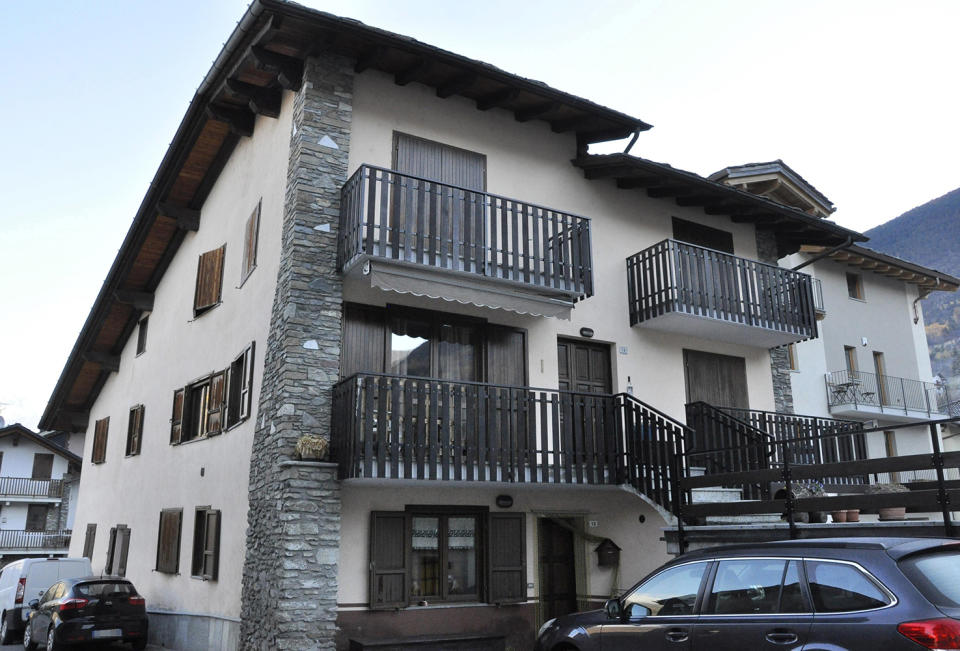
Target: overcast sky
x,y
861,98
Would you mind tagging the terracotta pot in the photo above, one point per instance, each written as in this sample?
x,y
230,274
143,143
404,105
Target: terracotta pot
x,y
853,515
839,516
893,513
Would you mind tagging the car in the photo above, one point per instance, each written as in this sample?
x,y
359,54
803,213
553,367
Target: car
x,y
91,609
26,579
888,594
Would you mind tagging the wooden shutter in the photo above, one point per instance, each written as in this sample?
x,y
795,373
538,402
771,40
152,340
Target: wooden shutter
x,y
700,235
168,541
364,332
718,380
246,388
89,539
388,560
209,279
123,544
211,545
215,403
134,430
42,466
111,548
176,420
506,558
250,237
100,440
506,356
439,162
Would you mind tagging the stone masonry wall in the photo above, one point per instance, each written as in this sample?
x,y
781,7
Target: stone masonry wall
x,y
289,577
779,358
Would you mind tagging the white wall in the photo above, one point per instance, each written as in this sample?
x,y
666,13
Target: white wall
x,y
207,472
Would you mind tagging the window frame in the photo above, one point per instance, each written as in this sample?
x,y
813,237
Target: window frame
x,y
134,431
793,362
709,596
210,266
705,581
174,567
89,540
116,564
101,430
142,330
239,388
443,515
891,596
205,560
855,290
251,232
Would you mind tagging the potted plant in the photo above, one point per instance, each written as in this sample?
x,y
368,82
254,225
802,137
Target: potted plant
x,y
812,488
853,515
839,516
892,512
313,448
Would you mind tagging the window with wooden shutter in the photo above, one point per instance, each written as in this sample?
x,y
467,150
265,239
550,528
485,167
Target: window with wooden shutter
x,y
37,517
240,387
89,539
388,560
168,541
142,334
215,403
117,550
134,430
250,236
209,280
206,544
42,466
111,549
100,440
506,558
176,420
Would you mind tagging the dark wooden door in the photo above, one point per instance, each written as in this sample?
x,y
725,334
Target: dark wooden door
x,y
584,366
558,581
718,380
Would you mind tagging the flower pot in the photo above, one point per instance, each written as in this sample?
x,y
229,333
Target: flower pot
x,y
853,515
839,516
893,513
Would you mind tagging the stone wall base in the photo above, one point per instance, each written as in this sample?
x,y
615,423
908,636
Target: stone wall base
x,y
187,632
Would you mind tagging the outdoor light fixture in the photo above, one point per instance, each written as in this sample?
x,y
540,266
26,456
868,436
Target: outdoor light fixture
x,y
586,332
504,501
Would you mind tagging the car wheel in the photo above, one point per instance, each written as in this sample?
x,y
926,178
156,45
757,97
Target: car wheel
x,y
5,636
52,640
28,642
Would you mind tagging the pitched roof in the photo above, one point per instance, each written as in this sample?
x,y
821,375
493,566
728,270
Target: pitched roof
x,y
926,279
19,430
774,167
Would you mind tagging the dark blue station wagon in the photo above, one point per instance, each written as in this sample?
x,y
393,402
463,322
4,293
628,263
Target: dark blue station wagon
x,y
875,594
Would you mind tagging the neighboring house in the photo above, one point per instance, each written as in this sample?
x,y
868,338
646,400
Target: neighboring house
x,y
413,255
38,489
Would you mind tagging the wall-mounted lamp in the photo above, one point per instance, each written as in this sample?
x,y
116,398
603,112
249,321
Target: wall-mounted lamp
x,y
586,332
504,501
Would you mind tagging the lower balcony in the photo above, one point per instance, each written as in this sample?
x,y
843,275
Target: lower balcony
x,y
395,427
25,489
855,394
686,289
33,542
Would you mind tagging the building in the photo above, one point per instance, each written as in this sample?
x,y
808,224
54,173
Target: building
x,y
38,494
413,255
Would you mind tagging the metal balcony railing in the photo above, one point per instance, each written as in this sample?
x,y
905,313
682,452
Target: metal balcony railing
x,y
26,487
886,393
21,539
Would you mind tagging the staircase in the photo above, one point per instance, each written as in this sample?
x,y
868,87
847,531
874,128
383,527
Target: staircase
x,y
715,494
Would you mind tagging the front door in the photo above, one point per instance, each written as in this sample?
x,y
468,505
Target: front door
x,y
558,582
584,366
718,380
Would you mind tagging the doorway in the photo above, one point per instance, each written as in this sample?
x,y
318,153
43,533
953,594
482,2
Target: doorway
x,y
557,562
718,380
584,366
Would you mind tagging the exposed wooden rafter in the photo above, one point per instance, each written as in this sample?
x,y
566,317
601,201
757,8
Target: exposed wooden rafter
x,y
533,112
289,70
260,100
105,361
456,85
419,67
241,121
187,218
368,58
499,98
142,301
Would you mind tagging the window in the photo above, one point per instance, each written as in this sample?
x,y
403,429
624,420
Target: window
x,y
880,368
168,541
100,440
700,235
142,335
117,549
756,587
206,544
134,430
439,162
209,280
855,286
439,554
240,387
211,404
89,539
850,357
251,234
42,466
671,592
37,517
840,587
792,357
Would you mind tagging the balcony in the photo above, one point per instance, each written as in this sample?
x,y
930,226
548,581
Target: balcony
x,y
858,394
414,235
394,427
32,542
24,489
691,290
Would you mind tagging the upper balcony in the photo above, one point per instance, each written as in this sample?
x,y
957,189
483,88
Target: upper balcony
x,y
897,399
692,290
25,489
34,542
414,235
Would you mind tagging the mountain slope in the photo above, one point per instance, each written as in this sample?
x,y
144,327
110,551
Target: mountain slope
x,y
930,235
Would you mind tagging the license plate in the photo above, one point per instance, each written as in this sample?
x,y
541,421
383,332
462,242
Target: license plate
x,y
107,632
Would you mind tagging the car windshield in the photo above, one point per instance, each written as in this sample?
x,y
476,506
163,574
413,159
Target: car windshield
x,y
102,588
937,576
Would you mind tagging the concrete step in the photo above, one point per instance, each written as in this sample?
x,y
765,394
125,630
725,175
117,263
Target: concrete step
x,y
716,494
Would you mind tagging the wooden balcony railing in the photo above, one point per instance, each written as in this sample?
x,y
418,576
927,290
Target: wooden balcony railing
x,y
411,428
673,276
26,487
405,218
887,393
20,539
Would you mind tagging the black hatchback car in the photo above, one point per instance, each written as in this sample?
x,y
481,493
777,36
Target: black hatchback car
x,y
880,594
82,611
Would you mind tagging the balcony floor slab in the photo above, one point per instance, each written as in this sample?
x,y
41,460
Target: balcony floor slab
x,y
733,332
889,413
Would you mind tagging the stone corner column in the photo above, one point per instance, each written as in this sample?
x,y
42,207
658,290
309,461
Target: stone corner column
x,y
779,359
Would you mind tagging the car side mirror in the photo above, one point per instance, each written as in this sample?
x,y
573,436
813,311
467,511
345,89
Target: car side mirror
x,y
34,604
613,608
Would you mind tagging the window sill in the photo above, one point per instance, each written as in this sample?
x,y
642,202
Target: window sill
x,y
199,313
448,604
130,456
858,300
243,280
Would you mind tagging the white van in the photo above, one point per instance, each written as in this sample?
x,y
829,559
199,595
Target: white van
x,y
27,579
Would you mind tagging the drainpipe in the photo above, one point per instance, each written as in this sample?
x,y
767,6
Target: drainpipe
x,y
824,254
920,297
633,141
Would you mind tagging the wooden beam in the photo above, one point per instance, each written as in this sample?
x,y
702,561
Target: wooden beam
x,y
606,172
533,112
105,361
661,192
691,200
744,217
142,301
456,85
496,99
75,418
603,135
260,100
411,72
568,124
241,121
638,182
187,218
722,208
289,69
368,59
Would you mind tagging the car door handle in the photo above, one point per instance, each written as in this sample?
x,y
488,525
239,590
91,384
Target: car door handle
x,y
678,635
782,637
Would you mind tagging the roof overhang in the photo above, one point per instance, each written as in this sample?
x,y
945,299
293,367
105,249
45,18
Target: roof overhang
x,y
739,174
264,56
793,228
18,430
926,279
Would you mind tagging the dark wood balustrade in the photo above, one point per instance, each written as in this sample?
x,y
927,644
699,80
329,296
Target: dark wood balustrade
x,y
26,487
673,276
411,428
404,218
34,540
